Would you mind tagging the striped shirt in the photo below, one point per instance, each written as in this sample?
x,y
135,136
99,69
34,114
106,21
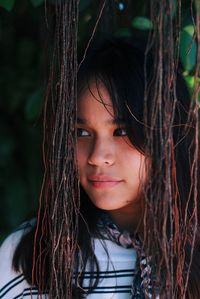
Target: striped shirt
x,y
116,273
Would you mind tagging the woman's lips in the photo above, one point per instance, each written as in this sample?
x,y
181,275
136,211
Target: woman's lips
x,y
103,181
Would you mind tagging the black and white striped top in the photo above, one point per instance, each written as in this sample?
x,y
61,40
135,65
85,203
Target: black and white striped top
x,y
116,274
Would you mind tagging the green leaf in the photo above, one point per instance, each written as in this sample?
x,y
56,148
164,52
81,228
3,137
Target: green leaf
x,y
37,3
190,83
34,105
188,48
7,4
142,23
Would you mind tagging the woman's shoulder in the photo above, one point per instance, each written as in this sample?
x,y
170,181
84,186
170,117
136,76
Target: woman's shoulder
x,y
12,282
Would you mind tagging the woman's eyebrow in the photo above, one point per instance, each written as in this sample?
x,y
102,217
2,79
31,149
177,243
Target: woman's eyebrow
x,y
81,121
115,121
112,121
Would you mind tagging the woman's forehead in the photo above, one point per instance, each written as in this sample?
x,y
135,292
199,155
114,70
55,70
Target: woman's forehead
x,y
96,90
104,93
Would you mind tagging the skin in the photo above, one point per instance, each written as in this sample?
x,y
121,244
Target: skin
x,y
111,170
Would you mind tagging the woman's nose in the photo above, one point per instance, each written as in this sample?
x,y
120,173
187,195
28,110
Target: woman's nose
x,y
102,153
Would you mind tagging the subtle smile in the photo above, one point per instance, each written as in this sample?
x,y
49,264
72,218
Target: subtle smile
x,y
103,181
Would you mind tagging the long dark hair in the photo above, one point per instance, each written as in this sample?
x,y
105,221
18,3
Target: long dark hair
x,y
164,132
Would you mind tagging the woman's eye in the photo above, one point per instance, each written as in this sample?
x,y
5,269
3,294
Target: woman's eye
x,y
120,132
82,132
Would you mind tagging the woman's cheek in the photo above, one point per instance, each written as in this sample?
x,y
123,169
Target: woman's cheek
x,y
82,152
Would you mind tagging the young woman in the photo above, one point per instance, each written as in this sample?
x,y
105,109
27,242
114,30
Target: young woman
x,y
138,235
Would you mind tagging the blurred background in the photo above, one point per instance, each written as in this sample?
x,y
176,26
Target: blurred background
x,y
24,61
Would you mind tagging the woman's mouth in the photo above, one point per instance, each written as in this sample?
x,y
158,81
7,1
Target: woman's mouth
x,y
102,181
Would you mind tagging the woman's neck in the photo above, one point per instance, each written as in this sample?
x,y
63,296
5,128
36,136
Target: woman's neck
x,y
128,219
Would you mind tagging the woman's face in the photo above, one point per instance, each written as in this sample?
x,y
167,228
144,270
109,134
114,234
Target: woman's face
x,y
111,170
